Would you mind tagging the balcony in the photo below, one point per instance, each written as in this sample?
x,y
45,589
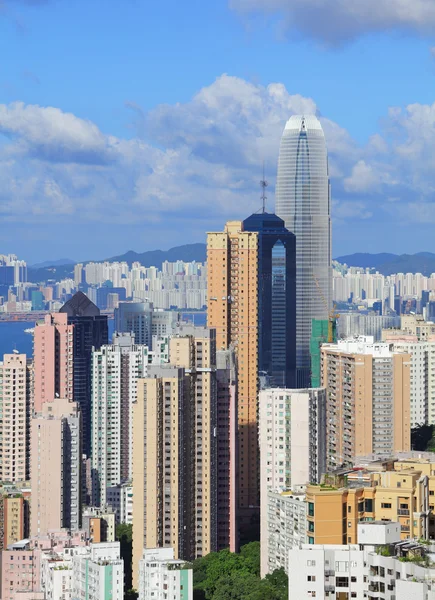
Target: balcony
x,y
403,512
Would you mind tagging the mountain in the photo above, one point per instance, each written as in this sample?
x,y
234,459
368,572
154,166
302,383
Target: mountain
x,y
55,263
387,264
153,258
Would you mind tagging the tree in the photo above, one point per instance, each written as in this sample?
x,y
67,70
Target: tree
x,y
124,534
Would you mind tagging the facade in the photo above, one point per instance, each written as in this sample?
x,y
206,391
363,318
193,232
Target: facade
x,y
233,289
99,524
276,298
161,577
292,443
90,331
368,399
421,349
55,467
379,567
53,359
14,516
145,322
115,371
227,477
303,202
19,571
286,520
16,409
320,333
120,498
163,465
99,574
356,324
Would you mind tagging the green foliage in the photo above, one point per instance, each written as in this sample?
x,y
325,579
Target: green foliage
x,y
422,438
228,576
124,534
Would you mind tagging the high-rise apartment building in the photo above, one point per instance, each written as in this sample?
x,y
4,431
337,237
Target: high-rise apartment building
x,y
16,409
53,359
176,460
145,322
368,402
163,464
55,467
292,443
90,331
232,259
116,368
303,201
251,300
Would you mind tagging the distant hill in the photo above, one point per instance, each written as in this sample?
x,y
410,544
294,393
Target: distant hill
x,y
155,258
387,264
55,263
152,258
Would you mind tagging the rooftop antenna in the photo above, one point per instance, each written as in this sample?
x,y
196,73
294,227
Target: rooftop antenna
x,y
264,183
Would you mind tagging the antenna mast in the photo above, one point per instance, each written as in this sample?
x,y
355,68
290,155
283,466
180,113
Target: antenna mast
x,y
264,185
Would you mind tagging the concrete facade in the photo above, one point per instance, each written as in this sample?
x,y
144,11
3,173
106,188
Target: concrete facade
x,y
56,467
368,403
161,577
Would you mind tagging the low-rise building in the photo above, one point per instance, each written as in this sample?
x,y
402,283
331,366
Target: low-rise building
x,y
380,566
99,574
99,524
120,498
161,577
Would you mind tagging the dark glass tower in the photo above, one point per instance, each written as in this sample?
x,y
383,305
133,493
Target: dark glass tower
x,y
90,330
276,298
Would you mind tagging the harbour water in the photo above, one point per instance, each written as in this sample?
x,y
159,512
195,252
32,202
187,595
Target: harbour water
x,y
13,335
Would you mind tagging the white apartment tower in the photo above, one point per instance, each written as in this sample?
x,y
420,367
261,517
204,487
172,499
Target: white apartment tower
x,y
115,371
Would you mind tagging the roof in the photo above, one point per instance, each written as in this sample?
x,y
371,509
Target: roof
x,y
80,306
303,123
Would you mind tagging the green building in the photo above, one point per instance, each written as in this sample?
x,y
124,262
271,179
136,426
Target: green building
x,y
319,336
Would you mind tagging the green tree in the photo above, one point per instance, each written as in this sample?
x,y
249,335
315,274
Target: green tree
x,y
124,534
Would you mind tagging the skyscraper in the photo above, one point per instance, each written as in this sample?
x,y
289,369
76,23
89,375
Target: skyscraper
x,y
276,273
90,331
251,304
303,201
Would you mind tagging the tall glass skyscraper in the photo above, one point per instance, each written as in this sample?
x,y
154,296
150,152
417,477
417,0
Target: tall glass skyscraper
x,y
303,201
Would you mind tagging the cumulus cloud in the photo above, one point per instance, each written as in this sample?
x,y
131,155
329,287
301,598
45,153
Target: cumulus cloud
x,y
54,135
335,21
202,159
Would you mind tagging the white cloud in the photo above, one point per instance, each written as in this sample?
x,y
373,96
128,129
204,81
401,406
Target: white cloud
x,y
203,160
333,21
51,134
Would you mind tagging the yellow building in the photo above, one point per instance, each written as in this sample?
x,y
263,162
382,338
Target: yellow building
x,y
401,491
232,268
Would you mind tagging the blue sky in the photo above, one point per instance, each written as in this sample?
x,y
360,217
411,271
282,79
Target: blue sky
x,y
138,125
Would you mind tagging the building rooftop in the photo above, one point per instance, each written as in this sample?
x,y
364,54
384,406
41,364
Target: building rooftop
x,y
80,306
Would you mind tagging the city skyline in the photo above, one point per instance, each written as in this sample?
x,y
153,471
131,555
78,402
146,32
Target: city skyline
x,y
153,145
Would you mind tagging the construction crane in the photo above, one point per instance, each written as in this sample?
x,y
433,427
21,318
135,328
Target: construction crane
x,y
332,314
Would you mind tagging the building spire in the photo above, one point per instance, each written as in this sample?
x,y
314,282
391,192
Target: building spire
x,y
264,185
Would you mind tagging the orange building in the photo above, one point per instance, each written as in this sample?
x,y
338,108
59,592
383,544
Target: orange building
x,y
232,267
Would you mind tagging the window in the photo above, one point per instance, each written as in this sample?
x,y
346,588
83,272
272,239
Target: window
x,y
311,509
310,526
369,505
311,578
310,540
386,505
311,563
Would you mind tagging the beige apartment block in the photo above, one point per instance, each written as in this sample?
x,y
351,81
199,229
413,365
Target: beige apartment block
x,y
15,406
163,465
55,468
232,260
368,399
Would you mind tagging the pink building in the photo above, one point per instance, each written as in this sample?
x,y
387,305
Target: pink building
x,y
19,571
56,468
15,398
53,359
21,563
